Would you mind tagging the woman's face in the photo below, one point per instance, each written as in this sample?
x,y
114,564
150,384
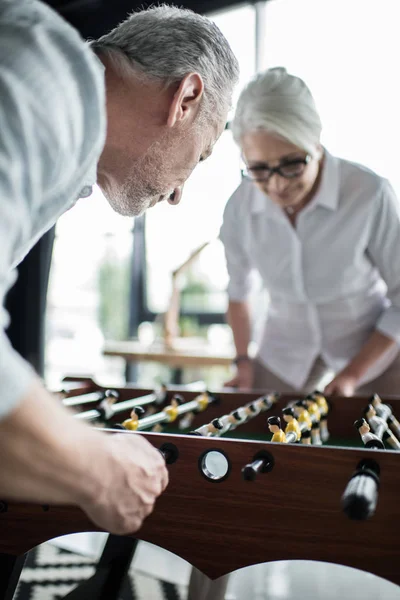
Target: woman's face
x,y
265,149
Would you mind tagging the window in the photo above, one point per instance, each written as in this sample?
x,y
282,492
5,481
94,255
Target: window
x,y
348,54
88,289
173,233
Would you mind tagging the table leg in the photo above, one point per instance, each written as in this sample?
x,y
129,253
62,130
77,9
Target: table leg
x,y
10,570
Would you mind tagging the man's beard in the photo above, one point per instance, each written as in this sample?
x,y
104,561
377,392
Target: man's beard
x,y
146,181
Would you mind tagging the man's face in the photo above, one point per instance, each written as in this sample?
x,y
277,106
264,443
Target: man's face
x,y
160,173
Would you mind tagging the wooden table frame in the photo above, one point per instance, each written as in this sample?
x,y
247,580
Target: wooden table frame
x,y
293,512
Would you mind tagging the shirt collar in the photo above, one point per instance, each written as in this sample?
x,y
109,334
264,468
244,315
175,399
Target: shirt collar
x,y
327,194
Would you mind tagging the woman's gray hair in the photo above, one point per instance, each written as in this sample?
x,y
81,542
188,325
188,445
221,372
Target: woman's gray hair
x,y
166,43
282,104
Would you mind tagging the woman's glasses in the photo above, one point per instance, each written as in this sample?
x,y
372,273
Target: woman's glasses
x,y
288,168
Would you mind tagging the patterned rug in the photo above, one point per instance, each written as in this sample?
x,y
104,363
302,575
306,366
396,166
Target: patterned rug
x,y
50,573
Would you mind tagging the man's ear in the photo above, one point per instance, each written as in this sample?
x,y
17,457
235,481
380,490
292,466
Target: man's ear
x,y
186,100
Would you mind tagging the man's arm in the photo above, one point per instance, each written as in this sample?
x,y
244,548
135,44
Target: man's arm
x,y
46,455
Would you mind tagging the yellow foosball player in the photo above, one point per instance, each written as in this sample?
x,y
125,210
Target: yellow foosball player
x,y
305,422
324,410
172,409
133,422
274,425
292,424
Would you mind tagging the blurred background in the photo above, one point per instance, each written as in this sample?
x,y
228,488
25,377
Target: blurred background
x,y
111,277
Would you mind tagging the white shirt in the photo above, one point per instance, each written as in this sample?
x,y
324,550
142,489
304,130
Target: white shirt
x,y
52,131
332,280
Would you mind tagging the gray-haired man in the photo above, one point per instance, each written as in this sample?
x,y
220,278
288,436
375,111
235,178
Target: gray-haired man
x,y
117,112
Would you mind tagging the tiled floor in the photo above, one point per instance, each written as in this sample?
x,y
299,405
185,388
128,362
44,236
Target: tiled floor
x,y
306,580
295,580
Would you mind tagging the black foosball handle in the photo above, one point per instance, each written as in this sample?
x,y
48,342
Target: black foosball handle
x,y
360,497
170,453
263,462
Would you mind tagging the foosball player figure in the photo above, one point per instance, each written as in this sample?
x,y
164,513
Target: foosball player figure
x,y
238,417
212,429
203,402
274,425
172,409
292,423
315,415
267,402
227,422
304,419
133,422
385,412
324,410
161,396
380,427
105,407
370,440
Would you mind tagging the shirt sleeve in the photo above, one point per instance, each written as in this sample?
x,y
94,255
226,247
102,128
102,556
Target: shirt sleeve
x,y
15,373
233,237
41,132
16,188
384,251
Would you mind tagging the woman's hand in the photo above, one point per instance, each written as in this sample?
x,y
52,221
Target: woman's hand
x,y
343,384
346,382
244,376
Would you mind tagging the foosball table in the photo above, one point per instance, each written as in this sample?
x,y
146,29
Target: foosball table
x,y
235,498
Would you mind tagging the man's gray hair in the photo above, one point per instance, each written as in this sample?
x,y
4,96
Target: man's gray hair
x,y
166,43
280,103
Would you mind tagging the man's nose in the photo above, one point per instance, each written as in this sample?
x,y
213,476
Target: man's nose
x,y
176,195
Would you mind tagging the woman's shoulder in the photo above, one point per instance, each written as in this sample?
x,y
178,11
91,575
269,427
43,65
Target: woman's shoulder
x,y
242,199
358,177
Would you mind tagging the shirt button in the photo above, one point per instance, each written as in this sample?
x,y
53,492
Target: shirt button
x,y
85,191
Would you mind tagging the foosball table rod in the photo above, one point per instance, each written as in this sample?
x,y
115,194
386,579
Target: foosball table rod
x,y
107,407
221,425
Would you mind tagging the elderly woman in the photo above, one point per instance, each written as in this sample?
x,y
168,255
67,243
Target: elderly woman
x,y
324,234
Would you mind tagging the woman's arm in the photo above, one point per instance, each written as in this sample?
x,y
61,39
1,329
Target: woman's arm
x,y
239,320
384,252
346,382
234,237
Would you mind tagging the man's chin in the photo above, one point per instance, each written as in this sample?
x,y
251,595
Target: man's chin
x,y
128,207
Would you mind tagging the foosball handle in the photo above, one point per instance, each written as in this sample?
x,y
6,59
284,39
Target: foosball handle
x,y
170,453
360,497
263,462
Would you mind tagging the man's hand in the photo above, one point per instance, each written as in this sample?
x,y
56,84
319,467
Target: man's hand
x,y
244,376
344,384
49,457
132,474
